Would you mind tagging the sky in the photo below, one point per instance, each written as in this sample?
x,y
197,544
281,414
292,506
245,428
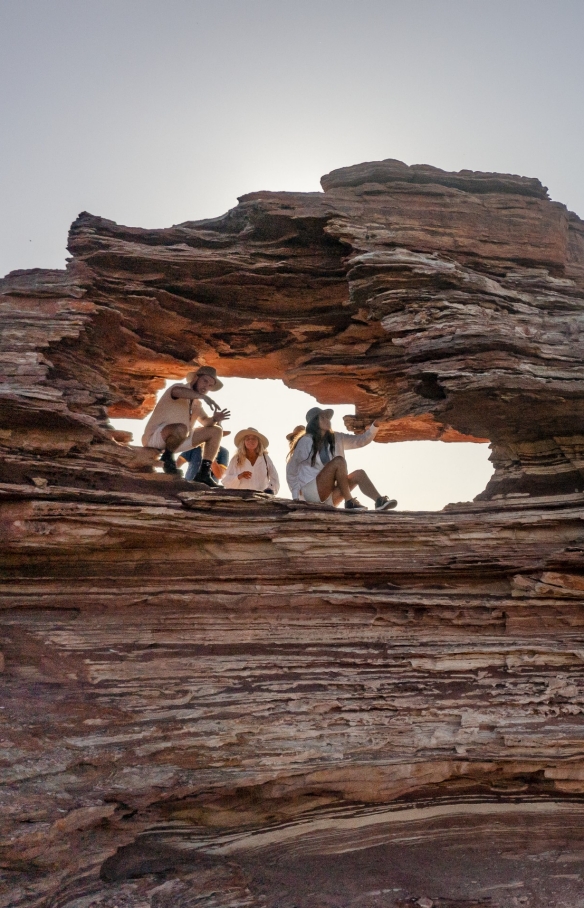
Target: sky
x,y
153,112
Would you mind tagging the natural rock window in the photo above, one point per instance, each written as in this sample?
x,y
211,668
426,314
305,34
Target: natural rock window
x,y
220,700
449,305
422,475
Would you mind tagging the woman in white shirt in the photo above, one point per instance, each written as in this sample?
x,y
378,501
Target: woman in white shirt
x,y
251,467
317,469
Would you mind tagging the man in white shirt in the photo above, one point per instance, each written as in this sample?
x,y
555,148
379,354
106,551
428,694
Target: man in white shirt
x,y
171,427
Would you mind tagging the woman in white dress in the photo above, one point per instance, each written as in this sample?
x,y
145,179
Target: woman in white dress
x,y
251,467
317,470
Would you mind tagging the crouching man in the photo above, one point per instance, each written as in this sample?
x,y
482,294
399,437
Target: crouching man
x,y
171,428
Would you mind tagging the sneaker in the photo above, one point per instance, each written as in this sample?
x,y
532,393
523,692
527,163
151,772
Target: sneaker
x,y
168,463
354,505
384,503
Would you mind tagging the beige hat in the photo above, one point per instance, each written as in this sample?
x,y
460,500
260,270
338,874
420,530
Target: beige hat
x,y
292,435
205,370
243,432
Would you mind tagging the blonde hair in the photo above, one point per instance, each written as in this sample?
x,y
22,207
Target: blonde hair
x,y
293,439
242,452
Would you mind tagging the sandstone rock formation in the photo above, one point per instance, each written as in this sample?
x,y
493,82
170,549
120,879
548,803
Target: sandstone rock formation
x,y
225,700
447,304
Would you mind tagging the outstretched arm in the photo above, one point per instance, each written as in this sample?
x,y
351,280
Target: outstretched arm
x,y
216,419
183,392
359,441
186,393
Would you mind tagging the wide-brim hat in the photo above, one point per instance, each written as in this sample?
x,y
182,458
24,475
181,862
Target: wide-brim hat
x,y
205,370
318,411
243,432
295,432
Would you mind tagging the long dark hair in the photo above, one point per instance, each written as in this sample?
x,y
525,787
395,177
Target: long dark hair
x,y
319,438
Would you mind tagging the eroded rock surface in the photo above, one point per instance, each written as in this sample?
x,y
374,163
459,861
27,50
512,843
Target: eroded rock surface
x,y
221,699
449,305
225,676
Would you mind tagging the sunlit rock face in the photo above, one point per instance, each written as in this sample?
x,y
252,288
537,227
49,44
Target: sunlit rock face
x,y
218,699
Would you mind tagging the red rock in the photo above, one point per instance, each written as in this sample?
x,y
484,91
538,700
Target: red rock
x,y
449,305
219,698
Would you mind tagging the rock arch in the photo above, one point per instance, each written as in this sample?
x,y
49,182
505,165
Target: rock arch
x,y
449,305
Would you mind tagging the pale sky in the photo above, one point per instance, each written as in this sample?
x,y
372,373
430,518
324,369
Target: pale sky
x,y
153,112
421,475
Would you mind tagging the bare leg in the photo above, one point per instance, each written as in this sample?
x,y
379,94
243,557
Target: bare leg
x,y
333,477
361,479
337,497
174,435
218,470
210,437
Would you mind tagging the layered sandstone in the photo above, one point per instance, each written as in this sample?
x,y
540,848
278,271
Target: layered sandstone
x,y
230,678
448,305
220,699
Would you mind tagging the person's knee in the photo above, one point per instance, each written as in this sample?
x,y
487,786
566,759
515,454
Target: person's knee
x,y
175,433
177,428
359,475
339,461
209,433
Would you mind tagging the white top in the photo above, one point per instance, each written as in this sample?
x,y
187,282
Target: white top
x,y
300,471
171,410
263,475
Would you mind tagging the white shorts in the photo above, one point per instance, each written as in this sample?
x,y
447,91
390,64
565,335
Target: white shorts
x,y
309,493
155,440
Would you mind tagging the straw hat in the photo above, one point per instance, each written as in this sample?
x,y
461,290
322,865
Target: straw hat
x,y
243,432
292,435
205,370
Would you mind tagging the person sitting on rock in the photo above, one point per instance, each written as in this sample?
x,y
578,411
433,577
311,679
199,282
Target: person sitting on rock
x,y
317,470
251,467
193,458
171,425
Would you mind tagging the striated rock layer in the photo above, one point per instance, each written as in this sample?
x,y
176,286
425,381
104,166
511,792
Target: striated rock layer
x,y
448,305
221,699
228,678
